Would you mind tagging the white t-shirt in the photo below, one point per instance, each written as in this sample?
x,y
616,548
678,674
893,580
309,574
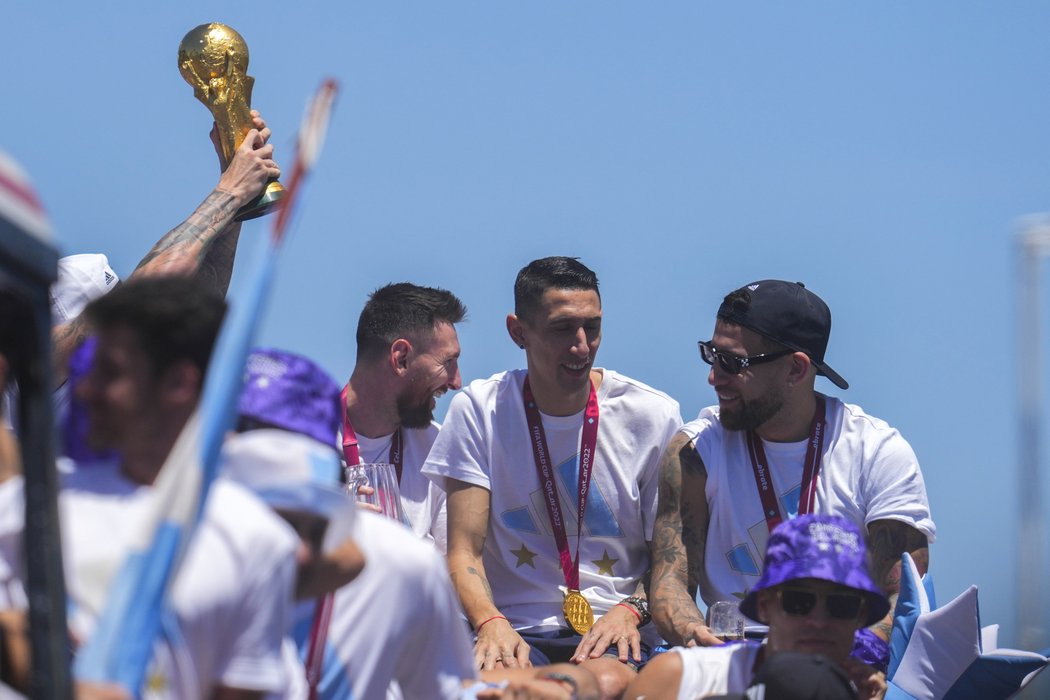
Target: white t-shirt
x,y
397,621
716,670
12,564
422,499
868,472
231,597
485,442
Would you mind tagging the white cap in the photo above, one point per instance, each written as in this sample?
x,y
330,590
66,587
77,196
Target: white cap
x,y
81,279
292,472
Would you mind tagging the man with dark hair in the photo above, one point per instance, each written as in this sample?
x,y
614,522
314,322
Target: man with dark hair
x,y
372,635
774,448
407,357
551,474
232,594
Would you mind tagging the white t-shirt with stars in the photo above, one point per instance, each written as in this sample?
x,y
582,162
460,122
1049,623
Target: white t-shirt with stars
x,y
484,441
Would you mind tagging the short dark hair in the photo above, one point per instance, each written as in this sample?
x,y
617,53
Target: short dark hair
x,y
175,318
403,310
557,272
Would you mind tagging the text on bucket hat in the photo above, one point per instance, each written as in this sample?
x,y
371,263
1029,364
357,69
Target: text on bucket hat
x,y
786,313
289,391
824,547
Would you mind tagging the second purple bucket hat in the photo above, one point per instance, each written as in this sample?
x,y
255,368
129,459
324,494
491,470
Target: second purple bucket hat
x,y
824,547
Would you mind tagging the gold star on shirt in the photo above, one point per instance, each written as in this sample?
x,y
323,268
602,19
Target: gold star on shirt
x,y
524,556
156,682
605,564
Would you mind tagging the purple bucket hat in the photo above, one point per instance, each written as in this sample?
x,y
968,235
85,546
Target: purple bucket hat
x,y
288,391
824,547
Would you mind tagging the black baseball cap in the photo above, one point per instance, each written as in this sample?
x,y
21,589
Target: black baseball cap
x,y
786,313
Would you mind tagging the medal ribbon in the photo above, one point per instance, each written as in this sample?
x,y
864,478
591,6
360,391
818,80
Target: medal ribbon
x,y
351,450
323,612
570,566
810,470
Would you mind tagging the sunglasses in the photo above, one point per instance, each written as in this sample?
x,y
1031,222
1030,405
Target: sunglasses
x,y
841,606
734,364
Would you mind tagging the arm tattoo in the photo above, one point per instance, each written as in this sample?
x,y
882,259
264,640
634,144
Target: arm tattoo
x,y
887,540
183,249
679,535
484,582
217,266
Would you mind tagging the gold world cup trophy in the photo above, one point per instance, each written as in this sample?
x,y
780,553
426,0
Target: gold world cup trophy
x,y
213,59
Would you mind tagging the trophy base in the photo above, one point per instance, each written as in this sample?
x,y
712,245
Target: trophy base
x,y
264,204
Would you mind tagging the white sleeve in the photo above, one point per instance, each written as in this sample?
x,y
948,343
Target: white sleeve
x,y
461,450
254,657
435,663
893,487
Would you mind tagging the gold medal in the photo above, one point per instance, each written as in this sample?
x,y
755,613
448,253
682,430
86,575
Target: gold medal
x,y
578,612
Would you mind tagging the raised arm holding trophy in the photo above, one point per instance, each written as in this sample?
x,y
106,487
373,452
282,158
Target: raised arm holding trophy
x,y
213,59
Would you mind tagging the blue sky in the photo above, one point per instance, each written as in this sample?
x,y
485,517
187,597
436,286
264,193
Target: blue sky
x,y
882,154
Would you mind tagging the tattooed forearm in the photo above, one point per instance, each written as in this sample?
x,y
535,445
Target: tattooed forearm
x,y
887,540
183,249
679,535
484,581
217,267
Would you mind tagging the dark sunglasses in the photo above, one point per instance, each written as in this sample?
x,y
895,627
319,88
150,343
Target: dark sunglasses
x,y
841,606
734,364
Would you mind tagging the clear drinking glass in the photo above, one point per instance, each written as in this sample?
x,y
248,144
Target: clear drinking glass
x,y
726,621
382,479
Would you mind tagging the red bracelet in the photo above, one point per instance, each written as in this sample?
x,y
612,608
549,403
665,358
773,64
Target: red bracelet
x,y
629,607
494,617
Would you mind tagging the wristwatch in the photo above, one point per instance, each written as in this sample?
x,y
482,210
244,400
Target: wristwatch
x,y
642,606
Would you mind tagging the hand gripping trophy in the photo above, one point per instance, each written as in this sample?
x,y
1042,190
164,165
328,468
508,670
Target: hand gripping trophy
x,y
213,59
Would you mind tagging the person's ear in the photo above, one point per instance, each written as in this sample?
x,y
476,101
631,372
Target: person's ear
x,y
800,367
516,330
182,382
400,350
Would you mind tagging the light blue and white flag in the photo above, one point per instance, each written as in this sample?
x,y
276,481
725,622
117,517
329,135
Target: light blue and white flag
x,y
121,647
943,653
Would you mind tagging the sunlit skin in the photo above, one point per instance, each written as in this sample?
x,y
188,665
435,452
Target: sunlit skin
x,y
402,387
779,394
432,368
561,340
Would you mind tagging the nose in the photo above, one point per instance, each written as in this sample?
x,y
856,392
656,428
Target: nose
x,y
579,342
457,381
819,616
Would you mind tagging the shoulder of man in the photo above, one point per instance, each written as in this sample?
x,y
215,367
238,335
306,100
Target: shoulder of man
x,y
622,385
